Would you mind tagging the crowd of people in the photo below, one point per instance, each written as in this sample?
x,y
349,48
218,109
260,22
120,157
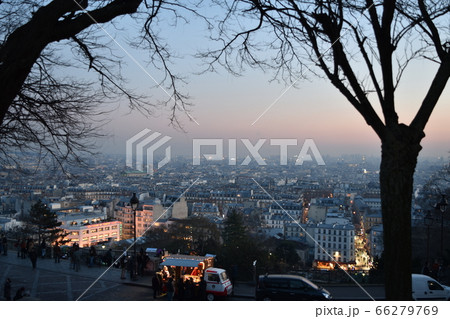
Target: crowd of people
x,y
166,284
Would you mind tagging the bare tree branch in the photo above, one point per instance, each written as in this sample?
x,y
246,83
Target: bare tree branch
x,y
31,35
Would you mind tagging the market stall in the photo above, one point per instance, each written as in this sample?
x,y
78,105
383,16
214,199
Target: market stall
x,y
185,266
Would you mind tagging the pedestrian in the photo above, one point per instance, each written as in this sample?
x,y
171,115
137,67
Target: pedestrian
x,y
19,294
435,269
180,289
43,248
92,254
17,247
29,241
72,260
5,245
7,290
32,253
76,256
131,264
123,266
108,257
189,289
202,289
156,286
23,249
170,289
56,252
140,262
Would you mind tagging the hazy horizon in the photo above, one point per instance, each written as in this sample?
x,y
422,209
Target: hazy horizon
x,y
253,107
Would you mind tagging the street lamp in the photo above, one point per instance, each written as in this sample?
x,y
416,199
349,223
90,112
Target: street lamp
x,y
442,206
134,202
428,221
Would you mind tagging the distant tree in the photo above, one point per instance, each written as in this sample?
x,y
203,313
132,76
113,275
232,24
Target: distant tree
x,y
44,107
438,184
157,237
235,232
205,235
285,251
363,49
44,223
239,248
194,235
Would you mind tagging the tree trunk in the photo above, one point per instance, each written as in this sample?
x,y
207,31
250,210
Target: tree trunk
x,y
400,149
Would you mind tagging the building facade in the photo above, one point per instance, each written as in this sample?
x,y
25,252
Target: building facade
x,y
86,235
334,243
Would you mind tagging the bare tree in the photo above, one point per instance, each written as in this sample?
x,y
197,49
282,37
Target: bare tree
x,y
362,48
44,107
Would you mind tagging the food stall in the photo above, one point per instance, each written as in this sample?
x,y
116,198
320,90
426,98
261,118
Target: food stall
x,y
186,266
188,269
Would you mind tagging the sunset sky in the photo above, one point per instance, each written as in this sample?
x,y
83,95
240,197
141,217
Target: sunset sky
x,y
225,106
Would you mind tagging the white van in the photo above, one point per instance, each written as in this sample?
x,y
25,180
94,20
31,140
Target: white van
x,y
426,288
217,283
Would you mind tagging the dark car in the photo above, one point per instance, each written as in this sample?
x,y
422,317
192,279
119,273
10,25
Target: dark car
x,y
288,287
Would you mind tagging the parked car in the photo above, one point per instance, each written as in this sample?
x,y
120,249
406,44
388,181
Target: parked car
x,y
288,287
217,283
427,288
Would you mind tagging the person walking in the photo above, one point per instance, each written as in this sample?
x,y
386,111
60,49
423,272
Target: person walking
x,y
19,294
108,257
72,260
202,289
179,289
92,254
131,264
5,245
7,290
32,253
56,252
170,289
123,266
140,262
77,258
43,248
23,249
156,286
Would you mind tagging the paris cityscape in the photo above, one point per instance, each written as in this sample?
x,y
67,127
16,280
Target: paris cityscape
x,y
320,221
233,151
